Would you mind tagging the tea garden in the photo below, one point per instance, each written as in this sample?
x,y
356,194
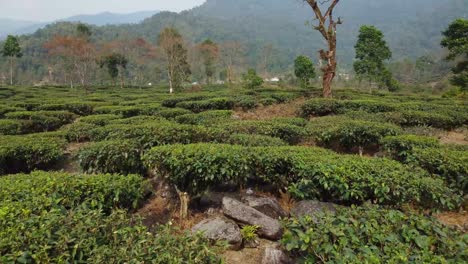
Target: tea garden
x,y
375,155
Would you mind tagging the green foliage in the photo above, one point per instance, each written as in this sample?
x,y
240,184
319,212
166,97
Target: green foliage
x,y
288,132
121,156
114,62
173,113
348,134
210,104
255,140
425,118
79,108
80,132
456,40
74,219
401,147
12,127
99,120
252,80
372,235
304,70
205,118
371,52
26,153
249,233
310,173
43,120
11,47
452,165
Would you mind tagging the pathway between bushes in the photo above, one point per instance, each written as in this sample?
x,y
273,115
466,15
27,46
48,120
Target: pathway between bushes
x,y
288,109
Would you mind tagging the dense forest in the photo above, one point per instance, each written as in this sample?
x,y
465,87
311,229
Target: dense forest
x,y
272,34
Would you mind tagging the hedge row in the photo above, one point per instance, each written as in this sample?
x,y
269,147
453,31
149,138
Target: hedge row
x,y
26,153
372,235
210,104
425,152
310,173
43,120
205,118
78,108
74,219
129,111
404,114
343,133
13,127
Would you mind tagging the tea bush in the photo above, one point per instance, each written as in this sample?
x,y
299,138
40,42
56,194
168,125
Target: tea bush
x,y
111,157
13,127
310,173
206,118
349,133
26,153
78,108
75,219
43,120
255,140
401,147
99,120
421,118
452,165
173,113
80,132
372,235
210,104
290,133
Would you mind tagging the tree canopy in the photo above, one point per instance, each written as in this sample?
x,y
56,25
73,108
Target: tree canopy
x,y
304,70
456,41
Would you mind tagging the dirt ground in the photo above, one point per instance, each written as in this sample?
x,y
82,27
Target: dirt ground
x,y
455,137
272,111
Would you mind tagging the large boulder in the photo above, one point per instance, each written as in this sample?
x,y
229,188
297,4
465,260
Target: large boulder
x,y
268,206
268,227
220,228
275,256
312,208
215,199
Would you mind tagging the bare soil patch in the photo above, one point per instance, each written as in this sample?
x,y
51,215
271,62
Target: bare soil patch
x,y
455,137
272,111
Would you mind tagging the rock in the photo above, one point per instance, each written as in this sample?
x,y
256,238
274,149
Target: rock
x,y
275,256
311,208
266,205
215,199
268,227
220,228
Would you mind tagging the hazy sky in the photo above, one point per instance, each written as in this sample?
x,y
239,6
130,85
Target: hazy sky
x,y
47,10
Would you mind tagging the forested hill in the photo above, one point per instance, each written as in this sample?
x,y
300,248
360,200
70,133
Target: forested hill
x,y
412,28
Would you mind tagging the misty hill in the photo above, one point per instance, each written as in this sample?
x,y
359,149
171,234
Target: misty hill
x,y
8,26
412,28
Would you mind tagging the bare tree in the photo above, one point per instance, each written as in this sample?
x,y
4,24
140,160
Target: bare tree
x,y
232,56
327,27
172,45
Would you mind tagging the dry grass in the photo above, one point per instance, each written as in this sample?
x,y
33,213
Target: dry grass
x,y
272,111
455,137
455,219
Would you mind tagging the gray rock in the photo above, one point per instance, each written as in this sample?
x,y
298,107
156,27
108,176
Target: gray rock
x,y
269,228
215,199
220,228
266,205
312,208
275,256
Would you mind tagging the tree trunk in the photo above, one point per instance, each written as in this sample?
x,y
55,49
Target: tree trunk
x,y
11,70
184,202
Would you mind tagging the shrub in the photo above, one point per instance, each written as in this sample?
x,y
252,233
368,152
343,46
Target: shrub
x,y
173,113
208,117
8,109
452,165
422,118
26,153
111,157
318,107
12,127
99,120
73,218
80,132
252,80
287,132
174,101
78,108
322,107
372,235
43,120
348,133
246,102
310,173
255,140
210,104
401,147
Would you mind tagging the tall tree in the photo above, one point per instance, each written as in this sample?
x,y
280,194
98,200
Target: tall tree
x,y
327,27
304,70
116,64
172,44
371,52
456,41
209,52
232,56
12,50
